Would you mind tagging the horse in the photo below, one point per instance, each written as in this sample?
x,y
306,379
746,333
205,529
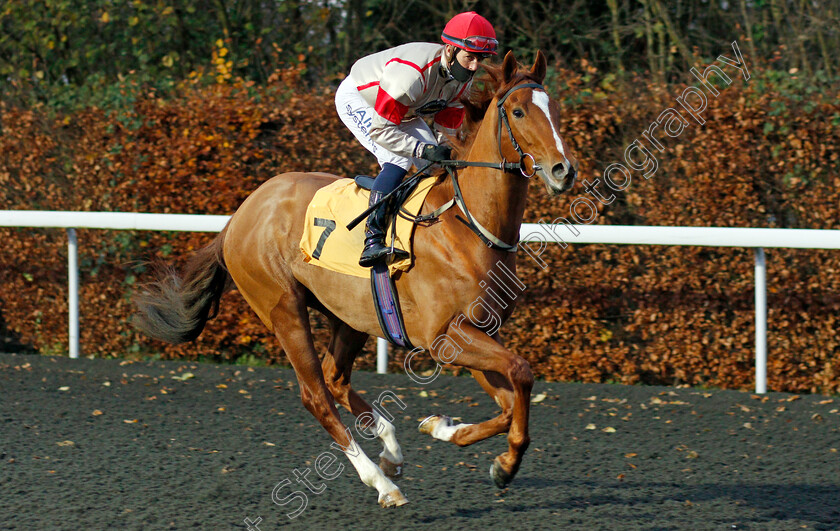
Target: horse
x,y
258,252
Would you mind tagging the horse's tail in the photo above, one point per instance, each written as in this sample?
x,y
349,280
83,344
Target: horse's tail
x,y
175,307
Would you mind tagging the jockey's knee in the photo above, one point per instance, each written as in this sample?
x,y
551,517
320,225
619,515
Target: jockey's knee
x,y
388,178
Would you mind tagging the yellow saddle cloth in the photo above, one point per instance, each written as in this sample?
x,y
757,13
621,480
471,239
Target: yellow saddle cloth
x,y
327,243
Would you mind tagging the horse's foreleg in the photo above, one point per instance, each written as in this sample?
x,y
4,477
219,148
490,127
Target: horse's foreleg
x,y
291,325
466,434
508,378
344,346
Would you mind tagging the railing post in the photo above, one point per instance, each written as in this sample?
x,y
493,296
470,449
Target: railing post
x,y
73,291
381,356
760,322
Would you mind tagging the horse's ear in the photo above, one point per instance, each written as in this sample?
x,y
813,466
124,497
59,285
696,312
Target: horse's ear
x,y
508,67
539,68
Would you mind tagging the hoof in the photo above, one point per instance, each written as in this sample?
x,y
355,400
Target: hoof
x,y
430,423
498,474
392,470
393,499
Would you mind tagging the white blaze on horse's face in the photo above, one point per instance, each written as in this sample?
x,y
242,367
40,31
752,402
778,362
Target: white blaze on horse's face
x,y
558,175
540,99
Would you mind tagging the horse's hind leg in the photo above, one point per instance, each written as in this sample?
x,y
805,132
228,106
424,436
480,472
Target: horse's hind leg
x,y
345,345
290,321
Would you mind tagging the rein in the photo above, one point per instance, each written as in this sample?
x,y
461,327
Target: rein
x,y
488,238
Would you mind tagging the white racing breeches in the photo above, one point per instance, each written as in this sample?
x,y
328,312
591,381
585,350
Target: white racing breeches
x,y
357,115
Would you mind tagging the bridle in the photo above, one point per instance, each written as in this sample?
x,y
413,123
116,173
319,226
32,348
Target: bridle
x,y
503,118
505,166
489,239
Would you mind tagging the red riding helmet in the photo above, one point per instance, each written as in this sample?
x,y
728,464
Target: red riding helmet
x,y
472,32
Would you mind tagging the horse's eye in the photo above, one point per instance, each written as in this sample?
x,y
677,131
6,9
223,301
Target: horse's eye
x,y
518,113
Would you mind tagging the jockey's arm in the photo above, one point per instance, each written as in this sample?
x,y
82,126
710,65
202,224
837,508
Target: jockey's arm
x,y
399,88
386,134
448,121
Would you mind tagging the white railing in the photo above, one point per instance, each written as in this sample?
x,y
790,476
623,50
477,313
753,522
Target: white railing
x,y
757,239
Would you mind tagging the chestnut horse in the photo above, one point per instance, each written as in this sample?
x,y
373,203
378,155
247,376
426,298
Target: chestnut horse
x,y
259,251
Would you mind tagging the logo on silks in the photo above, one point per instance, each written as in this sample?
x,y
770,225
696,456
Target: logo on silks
x,y
361,118
433,107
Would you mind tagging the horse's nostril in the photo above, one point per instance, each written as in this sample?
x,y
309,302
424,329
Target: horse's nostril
x,y
559,170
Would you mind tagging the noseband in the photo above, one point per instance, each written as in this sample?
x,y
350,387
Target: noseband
x,y
503,118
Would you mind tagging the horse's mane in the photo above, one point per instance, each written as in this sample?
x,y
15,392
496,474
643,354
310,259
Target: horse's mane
x,y
486,87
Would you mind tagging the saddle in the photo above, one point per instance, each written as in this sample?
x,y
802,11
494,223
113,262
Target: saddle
x,y
327,243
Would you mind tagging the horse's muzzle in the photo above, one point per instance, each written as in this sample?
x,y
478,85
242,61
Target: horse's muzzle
x,y
561,178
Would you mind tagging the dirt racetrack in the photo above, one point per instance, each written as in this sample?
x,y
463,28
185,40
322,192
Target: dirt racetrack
x,y
102,444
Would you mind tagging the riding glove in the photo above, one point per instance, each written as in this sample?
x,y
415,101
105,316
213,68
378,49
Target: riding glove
x,y
436,153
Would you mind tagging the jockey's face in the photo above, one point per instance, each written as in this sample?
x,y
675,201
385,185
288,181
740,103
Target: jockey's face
x,y
467,59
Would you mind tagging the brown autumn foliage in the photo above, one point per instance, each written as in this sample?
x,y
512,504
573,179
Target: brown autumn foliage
x,y
595,313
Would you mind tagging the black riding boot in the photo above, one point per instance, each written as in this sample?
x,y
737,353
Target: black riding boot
x,y
375,229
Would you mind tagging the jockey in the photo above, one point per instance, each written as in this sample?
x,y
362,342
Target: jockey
x,y
387,96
